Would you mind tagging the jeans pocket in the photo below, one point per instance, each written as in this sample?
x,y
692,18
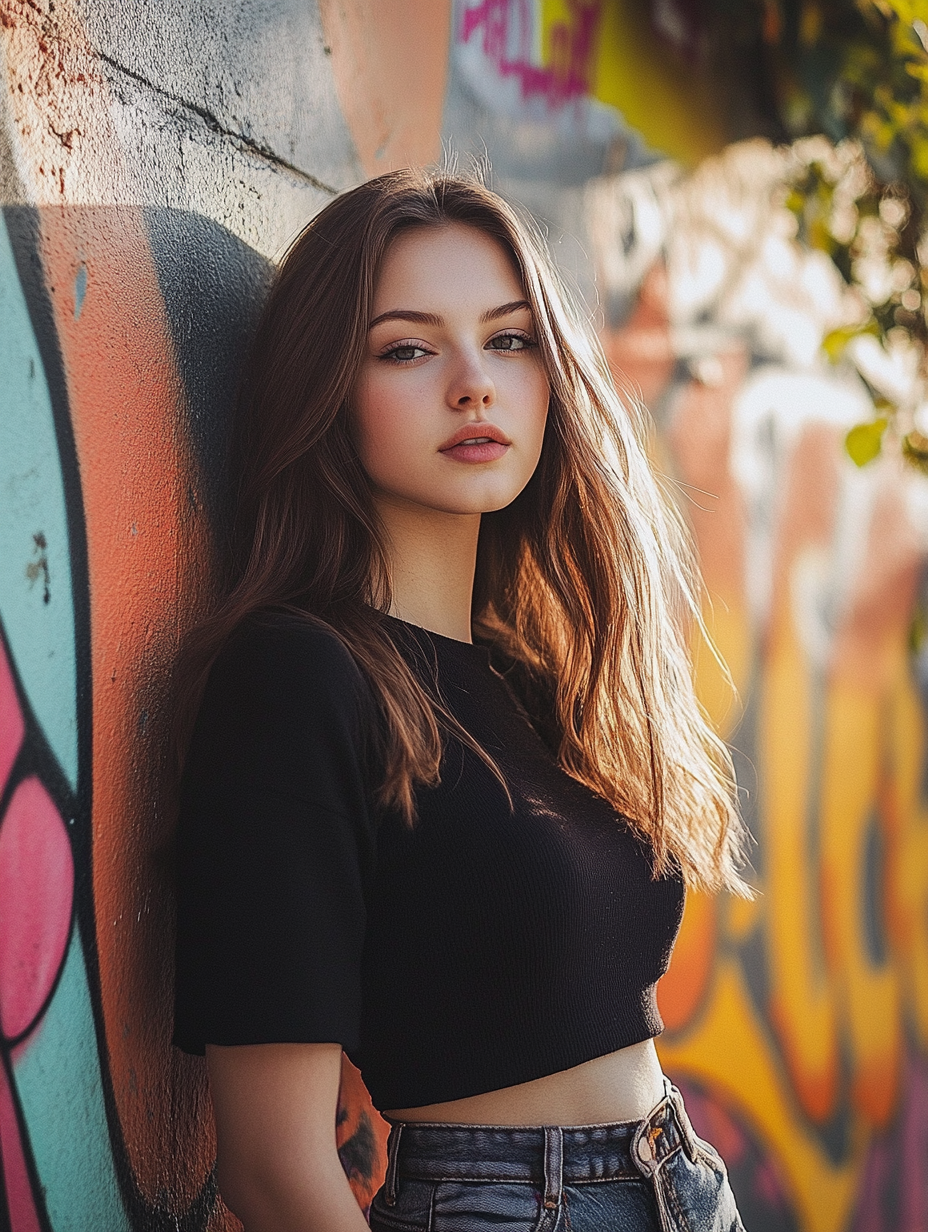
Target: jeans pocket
x,y
412,1211
695,1195
486,1206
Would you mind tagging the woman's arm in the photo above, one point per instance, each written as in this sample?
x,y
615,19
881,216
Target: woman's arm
x,y
277,1167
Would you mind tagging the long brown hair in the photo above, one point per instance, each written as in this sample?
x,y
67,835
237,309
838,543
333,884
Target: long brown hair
x,y
585,583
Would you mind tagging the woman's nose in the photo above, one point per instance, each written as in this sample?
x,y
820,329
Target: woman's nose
x,y
471,385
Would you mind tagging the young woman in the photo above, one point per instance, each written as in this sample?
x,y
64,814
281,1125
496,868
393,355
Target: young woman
x,y
449,779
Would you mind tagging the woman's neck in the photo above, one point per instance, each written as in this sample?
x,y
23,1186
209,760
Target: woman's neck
x,y
432,557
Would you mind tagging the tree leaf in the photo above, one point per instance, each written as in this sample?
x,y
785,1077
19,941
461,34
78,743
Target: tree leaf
x,y
864,441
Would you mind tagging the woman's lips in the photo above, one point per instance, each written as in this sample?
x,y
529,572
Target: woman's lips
x,y
476,443
476,449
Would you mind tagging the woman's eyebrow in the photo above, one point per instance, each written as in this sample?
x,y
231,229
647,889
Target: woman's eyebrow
x,y
504,310
431,318
408,314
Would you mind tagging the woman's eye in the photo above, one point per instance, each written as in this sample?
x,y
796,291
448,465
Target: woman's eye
x,y
405,354
510,342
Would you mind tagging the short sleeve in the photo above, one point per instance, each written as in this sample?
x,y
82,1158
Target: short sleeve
x,y
276,844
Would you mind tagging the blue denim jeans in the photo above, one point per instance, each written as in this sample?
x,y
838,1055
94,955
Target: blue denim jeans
x,y
653,1175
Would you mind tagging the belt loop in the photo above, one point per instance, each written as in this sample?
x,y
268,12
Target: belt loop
x,y
393,1156
554,1166
687,1133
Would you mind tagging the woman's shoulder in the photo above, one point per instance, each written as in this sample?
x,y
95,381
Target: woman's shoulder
x,y
290,644
288,665
285,699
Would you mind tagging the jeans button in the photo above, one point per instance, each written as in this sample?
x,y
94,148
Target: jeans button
x,y
645,1150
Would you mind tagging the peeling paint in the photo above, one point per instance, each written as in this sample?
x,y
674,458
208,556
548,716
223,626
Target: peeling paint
x,y
38,568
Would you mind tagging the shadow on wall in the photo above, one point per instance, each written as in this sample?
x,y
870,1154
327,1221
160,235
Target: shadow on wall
x,y
213,286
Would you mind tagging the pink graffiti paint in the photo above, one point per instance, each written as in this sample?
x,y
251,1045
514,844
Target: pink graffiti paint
x,y
914,1148
36,890
572,44
875,1180
893,1193
12,725
20,1202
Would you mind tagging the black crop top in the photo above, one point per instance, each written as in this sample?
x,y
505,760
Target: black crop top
x,y
484,947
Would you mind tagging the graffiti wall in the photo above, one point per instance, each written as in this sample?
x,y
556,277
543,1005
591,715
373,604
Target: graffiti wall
x,y
154,160
145,190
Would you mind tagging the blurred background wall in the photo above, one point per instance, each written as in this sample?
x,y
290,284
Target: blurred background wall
x,y
736,191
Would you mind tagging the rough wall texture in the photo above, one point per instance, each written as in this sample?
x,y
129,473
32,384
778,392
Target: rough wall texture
x,y
154,159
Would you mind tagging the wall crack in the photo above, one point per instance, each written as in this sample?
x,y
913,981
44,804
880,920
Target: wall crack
x,y
215,125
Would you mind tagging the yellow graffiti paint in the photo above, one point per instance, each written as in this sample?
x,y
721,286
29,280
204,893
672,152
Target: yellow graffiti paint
x,y
869,992
907,905
677,107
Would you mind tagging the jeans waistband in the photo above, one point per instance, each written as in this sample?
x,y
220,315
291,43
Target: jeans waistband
x,y
548,1155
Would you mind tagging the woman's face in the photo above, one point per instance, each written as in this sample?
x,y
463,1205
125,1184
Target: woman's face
x,y
451,400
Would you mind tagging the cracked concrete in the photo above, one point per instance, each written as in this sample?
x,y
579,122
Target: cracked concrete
x,y
216,126
258,70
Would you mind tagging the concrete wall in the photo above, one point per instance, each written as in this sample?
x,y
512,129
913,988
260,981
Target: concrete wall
x,y
154,159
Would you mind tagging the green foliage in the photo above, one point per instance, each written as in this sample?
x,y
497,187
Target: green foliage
x,y
851,89
859,69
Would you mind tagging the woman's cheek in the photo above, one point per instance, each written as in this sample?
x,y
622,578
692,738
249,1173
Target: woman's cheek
x,y
393,453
